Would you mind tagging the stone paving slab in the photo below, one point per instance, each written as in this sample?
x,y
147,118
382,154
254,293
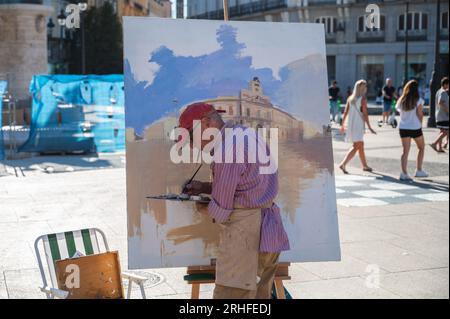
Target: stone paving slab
x,y
347,267
351,288
390,257
416,284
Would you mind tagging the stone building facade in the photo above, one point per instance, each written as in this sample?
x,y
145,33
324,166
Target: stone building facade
x,y
23,45
353,51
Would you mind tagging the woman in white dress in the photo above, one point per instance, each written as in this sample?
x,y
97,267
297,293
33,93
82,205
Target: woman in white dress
x,y
357,115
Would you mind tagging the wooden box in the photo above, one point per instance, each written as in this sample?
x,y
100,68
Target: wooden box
x,y
91,277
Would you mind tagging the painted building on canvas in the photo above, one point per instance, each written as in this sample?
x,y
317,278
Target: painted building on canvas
x,y
253,109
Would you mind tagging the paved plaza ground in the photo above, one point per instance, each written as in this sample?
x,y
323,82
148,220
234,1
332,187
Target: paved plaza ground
x,y
399,230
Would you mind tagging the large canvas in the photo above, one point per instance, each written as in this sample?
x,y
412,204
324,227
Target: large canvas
x,y
263,75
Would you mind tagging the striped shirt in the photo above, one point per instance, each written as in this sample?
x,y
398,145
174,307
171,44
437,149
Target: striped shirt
x,y
243,184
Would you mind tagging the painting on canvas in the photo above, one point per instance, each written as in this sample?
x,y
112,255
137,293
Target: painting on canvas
x,y
263,75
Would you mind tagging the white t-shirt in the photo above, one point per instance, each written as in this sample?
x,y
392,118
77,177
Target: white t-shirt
x,y
409,119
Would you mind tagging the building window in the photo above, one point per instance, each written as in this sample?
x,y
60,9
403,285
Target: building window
x,y
230,110
444,20
413,21
248,112
330,24
417,68
371,68
362,24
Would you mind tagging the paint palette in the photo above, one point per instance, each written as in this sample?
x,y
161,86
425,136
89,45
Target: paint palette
x,y
182,197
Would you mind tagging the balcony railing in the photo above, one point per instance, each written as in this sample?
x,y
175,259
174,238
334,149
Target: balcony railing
x,y
21,1
330,37
413,35
370,36
244,9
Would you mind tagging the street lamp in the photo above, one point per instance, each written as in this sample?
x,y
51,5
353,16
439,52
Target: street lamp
x,y
62,22
406,43
61,18
50,26
435,73
83,46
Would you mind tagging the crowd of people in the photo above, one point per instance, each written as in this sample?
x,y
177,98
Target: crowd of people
x,y
408,103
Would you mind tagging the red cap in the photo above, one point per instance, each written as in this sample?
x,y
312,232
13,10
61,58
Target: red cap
x,y
196,111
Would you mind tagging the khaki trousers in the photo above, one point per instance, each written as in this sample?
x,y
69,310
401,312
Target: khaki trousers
x,y
267,266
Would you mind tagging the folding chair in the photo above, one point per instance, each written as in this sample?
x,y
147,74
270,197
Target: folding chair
x,y
64,246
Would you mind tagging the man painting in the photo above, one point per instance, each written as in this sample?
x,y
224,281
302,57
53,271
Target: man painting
x,y
252,233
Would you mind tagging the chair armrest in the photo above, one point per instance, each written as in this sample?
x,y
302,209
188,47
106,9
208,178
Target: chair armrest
x,y
133,277
55,292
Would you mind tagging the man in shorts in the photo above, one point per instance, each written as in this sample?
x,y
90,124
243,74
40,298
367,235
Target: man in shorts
x,y
441,115
388,97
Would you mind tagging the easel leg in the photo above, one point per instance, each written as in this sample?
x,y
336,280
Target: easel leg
x,y
195,292
130,283
279,289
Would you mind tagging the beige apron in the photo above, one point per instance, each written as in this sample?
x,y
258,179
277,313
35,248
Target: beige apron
x,y
237,260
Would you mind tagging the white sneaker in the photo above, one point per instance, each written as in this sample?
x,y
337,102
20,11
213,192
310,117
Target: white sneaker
x,y
405,177
421,174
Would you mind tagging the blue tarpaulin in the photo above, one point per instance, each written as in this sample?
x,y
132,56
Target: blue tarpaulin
x,y
76,113
2,91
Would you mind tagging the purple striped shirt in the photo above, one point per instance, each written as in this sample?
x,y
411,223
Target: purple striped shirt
x,y
242,184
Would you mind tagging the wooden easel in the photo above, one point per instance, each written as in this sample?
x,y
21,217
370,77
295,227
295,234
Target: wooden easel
x,y
197,275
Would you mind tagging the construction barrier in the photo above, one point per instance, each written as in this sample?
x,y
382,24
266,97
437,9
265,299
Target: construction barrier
x,y
76,113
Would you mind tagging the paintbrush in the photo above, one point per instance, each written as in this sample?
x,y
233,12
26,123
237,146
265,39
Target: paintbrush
x,y
192,178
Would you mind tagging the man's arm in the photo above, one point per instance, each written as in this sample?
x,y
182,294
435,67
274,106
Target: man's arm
x,y
419,112
226,179
443,106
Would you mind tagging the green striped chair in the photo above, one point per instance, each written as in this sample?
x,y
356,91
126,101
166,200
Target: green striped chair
x,y
64,246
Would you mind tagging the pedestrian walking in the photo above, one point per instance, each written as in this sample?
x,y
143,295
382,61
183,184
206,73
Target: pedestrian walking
x,y
357,116
410,107
334,93
441,116
389,94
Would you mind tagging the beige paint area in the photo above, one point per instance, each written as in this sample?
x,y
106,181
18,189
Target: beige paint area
x,y
171,234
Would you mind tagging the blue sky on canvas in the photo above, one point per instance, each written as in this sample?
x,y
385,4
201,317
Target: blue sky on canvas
x,y
286,45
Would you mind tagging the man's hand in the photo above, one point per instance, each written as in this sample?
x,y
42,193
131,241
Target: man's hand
x,y
193,188
202,208
196,188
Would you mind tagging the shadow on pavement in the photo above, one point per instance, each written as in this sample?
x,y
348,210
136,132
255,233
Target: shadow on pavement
x,y
64,164
424,184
